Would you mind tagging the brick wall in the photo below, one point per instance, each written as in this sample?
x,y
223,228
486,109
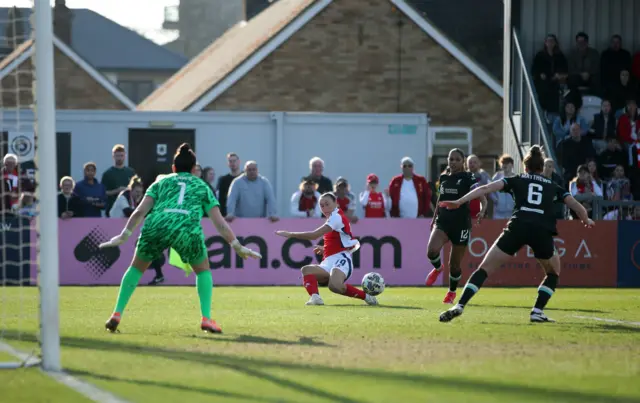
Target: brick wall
x,y
75,88
346,60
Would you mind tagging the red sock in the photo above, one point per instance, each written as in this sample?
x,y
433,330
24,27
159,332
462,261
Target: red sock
x,y
310,283
354,292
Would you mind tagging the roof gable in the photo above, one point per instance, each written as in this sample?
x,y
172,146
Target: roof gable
x,y
108,45
238,47
26,50
245,45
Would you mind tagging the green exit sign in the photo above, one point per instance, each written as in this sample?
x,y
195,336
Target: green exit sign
x,y
403,129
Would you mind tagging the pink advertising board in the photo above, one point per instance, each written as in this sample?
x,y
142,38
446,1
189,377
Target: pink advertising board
x,y
394,248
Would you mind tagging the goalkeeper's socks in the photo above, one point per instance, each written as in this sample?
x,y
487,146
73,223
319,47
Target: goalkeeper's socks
x,y
128,285
204,285
354,292
310,283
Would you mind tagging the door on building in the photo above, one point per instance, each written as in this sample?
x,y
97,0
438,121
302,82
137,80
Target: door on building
x,y
442,140
151,150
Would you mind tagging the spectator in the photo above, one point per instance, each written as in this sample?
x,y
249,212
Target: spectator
x,y
128,199
251,196
610,158
28,207
197,171
628,213
629,125
503,203
562,124
635,66
474,166
304,202
621,91
14,183
584,189
345,199
593,171
603,127
550,172
548,64
584,64
316,165
374,203
209,176
116,178
91,192
619,187
613,61
634,169
69,205
410,193
224,182
574,152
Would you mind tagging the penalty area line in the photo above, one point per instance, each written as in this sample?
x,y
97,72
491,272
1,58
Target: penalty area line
x,y
623,322
86,389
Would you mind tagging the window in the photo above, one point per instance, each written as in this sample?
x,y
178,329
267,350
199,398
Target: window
x,y
136,91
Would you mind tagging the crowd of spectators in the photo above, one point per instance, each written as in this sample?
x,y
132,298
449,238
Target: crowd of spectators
x,y
599,153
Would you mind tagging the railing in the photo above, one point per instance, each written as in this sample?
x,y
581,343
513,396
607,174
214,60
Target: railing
x,y
625,209
526,116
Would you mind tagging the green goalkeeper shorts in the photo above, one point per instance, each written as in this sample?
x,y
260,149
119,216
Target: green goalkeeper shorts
x,y
160,234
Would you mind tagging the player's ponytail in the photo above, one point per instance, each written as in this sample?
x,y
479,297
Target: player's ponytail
x,y
184,159
534,160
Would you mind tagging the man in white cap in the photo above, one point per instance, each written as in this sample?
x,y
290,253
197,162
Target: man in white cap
x,y
410,193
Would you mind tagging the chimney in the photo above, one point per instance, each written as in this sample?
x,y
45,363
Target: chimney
x,y
62,21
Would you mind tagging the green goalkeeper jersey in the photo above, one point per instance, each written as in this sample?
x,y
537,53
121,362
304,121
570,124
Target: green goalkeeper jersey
x,y
180,197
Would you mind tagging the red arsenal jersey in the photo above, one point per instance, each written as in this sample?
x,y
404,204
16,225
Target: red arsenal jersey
x,y
375,206
340,239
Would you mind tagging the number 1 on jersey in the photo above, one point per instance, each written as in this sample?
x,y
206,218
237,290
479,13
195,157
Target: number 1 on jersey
x,y
183,190
535,194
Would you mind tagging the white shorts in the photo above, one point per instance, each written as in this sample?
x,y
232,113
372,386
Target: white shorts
x,y
341,261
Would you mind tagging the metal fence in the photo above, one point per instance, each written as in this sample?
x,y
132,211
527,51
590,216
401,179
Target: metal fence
x,y
615,209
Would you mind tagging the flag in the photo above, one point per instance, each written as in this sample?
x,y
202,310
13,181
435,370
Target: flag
x,y
176,260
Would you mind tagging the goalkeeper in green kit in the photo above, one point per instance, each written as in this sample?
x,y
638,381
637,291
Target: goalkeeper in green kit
x,y
175,205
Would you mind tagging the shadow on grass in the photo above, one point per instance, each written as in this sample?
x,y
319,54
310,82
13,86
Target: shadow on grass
x,y
617,328
174,386
262,368
587,327
245,338
546,309
417,308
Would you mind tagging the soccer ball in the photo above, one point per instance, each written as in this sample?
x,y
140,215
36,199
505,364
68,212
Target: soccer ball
x,y
373,284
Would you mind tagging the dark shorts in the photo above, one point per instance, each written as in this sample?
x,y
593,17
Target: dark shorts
x,y
458,234
516,235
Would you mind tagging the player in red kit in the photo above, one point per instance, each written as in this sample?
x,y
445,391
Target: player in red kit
x,y
375,204
336,266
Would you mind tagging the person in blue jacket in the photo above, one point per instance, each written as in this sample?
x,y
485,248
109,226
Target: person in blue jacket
x,y
91,192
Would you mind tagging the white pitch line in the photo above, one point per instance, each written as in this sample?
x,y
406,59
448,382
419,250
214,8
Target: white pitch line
x,y
86,389
624,322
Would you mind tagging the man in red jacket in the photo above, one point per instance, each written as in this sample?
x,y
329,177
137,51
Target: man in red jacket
x,y
410,193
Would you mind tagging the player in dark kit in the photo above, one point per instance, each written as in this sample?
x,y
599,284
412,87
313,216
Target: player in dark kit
x,y
452,225
533,223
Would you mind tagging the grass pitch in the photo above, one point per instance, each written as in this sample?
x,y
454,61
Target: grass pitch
x,y
276,349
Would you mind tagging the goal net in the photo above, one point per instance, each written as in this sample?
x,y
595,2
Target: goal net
x,y
28,206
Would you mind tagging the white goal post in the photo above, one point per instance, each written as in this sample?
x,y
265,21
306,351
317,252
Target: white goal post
x,y
38,97
45,130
